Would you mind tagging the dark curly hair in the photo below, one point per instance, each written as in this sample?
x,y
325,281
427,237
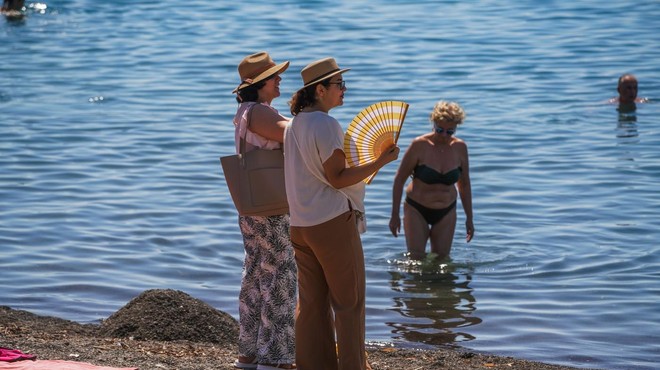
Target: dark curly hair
x,y
251,92
305,97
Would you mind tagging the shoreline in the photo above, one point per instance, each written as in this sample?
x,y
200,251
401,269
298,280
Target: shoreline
x,y
169,330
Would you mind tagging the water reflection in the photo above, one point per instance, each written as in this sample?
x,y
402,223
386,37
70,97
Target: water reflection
x,y
626,129
434,305
625,108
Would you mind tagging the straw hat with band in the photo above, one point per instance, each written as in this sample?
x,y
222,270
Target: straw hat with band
x,y
320,70
257,67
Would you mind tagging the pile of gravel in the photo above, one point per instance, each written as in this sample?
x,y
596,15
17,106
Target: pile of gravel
x,y
170,315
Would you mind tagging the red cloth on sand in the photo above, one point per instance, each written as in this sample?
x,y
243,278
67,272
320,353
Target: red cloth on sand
x,y
56,365
11,355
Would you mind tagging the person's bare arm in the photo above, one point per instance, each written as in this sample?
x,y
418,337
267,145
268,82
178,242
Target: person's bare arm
x,y
406,167
267,123
465,191
340,176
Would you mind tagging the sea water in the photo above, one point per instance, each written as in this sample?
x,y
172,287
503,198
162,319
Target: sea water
x,y
113,115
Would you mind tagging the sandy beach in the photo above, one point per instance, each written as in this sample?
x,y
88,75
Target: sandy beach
x,y
170,330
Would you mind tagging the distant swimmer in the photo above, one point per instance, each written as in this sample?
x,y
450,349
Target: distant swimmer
x,y
12,8
627,88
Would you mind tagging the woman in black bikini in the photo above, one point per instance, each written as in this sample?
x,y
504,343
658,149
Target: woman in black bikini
x,y
440,171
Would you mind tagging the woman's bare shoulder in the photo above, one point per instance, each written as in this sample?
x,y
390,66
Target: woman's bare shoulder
x,y
267,113
459,146
422,139
459,142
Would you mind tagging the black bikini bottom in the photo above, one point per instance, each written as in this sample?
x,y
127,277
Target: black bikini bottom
x,y
431,215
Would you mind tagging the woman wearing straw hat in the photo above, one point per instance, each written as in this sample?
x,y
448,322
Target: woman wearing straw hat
x,y
326,202
267,299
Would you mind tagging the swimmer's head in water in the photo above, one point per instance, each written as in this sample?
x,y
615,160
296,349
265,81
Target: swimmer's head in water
x,y
627,88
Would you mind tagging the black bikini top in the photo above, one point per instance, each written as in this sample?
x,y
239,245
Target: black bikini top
x,y
430,176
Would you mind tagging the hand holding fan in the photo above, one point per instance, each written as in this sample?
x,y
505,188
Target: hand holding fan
x,y
373,129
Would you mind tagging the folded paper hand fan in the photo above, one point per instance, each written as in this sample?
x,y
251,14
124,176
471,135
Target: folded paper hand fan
x,y
373,129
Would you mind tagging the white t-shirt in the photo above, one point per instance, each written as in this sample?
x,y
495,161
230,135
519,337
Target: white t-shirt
x,y
253,139
312,201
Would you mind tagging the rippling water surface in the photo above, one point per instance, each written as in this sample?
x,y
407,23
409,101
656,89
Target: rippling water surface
x,y
113,116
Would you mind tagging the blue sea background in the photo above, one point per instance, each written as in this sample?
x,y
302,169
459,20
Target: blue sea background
x,y
113,115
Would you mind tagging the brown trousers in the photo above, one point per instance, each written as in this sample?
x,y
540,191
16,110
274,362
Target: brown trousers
x,y
331,295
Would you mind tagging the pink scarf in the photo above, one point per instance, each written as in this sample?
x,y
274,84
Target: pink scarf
x,y
11,355
56,365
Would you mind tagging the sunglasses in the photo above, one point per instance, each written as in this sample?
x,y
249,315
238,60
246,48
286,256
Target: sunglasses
x,y
342,84
440,130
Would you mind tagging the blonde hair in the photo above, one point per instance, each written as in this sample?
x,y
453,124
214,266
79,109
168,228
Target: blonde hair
x,y
447,112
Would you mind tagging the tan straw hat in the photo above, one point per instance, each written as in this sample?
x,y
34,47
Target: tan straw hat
x,y
257,67
320,70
